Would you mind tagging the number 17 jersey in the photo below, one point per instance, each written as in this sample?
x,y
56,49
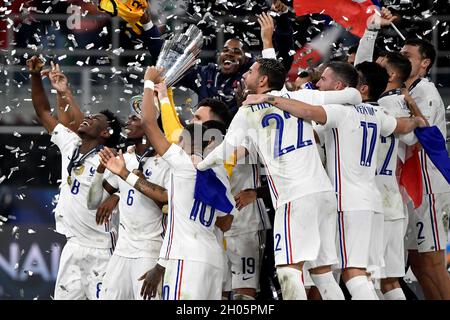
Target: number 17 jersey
x,y
351,136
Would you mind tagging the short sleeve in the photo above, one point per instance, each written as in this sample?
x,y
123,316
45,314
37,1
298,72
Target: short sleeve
x,y
387,123
180,162
335,115
238,128
65,139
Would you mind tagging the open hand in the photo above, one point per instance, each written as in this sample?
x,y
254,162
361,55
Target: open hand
x,y
244,198
152,279
110,161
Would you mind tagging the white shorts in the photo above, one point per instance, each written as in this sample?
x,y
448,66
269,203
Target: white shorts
x,y
245,253
394,249
306,276
353,238
121,279
81,271
227,278
192,280
376,251
305,229
428,224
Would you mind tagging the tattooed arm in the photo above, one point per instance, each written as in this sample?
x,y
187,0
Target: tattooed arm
x,y
117,166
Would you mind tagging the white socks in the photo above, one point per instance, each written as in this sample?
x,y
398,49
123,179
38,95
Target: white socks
x,y
360,289
372,287
395,294
327,285
291,283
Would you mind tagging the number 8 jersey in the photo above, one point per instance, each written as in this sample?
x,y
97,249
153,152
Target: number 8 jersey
x,y
351,136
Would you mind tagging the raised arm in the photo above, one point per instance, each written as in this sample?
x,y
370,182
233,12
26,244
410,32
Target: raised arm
x,y
148,113
38,96
117,166
69,113
367,42
296,108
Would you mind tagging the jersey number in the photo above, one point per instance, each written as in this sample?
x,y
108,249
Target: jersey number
x,y
277,245
75,187
368,145
384,170
278,149
130,197
201,207
248,265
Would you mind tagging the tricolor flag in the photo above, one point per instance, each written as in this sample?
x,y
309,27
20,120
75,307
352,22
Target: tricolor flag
x,y
211,191
351,14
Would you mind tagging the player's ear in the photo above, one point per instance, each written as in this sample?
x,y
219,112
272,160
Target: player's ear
x,y
106,133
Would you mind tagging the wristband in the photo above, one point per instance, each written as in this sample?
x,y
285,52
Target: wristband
x,y
149,84
148,25
132,179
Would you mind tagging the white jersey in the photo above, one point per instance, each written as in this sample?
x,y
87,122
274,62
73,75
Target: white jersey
x,y
351,136
393,104
432,107
246,175
141,220
286,145
73,218
190,224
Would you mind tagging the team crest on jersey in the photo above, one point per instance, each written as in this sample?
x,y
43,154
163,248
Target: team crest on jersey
x,y
79,170
91,171
147,173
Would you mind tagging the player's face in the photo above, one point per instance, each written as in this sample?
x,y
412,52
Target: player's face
x,y
202,114
232,57
327,81
252,78
93,125
412,53
133,129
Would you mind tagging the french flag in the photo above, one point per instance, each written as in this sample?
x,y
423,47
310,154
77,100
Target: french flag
x,y
351,14
211,191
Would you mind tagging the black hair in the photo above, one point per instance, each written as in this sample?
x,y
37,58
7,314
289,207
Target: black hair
x,y
426,49
352,49
400,64
374,76
345,72
275,72
218,108
193,129
115,125
214,124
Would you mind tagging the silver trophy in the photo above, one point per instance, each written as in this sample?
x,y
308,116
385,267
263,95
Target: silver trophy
x,y
179,54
